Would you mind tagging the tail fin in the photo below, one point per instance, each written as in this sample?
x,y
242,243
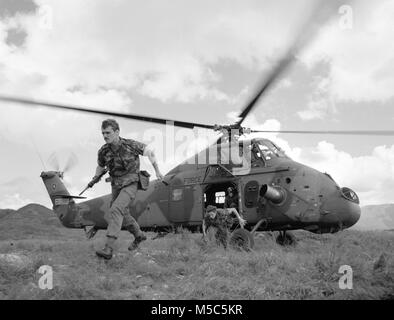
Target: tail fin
x,y
63,203
54,185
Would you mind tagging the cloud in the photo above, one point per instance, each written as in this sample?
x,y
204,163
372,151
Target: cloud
x,y
369,175
360,58
285,83
167,50
13,201
169,53
320,102
10,8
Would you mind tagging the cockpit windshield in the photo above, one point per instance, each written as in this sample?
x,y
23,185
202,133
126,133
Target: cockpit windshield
x,y
267,150
252,153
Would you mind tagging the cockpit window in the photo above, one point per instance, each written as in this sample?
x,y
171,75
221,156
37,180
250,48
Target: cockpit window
x,y
256,153
265,152
268,150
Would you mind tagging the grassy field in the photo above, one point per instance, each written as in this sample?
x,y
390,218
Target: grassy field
x,y
182,266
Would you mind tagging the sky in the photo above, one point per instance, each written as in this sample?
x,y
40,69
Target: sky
x,y
196,61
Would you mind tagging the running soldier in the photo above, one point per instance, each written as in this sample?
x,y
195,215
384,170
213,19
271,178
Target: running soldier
x,y
121,158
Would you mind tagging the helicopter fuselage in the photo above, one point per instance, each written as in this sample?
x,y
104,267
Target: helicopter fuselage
x,y
305,198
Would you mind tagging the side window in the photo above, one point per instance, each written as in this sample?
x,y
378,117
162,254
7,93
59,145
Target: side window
x,y
220,197
177,194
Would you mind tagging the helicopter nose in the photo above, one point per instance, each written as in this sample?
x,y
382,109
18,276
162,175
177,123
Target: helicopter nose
x,y
353,211
343,209
352,215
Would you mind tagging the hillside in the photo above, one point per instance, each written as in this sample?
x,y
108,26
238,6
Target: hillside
x,y
373,217
32,220
5,212
376,217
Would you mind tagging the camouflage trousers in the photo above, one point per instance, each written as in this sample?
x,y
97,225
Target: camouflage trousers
x,y
119,214
221,236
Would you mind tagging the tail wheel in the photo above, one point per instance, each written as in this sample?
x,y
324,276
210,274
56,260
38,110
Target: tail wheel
x,y
242,239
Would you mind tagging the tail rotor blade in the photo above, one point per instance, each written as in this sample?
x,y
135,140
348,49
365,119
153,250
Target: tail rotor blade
x,y
54,162
71,162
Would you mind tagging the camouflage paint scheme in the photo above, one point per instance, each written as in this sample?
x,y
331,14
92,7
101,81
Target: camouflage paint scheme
x,y
312,200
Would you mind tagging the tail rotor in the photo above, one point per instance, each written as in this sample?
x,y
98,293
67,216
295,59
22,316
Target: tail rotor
x,y
54,161
71,162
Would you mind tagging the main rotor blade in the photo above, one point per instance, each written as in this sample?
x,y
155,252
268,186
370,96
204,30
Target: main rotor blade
x,y
344,132
177,123
304,35
282,65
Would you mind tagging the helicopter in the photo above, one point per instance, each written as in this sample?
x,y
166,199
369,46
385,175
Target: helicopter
x,y
275,193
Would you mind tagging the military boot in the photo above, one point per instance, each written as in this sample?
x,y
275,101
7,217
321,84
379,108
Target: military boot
x,y
108,249
138,236
137,241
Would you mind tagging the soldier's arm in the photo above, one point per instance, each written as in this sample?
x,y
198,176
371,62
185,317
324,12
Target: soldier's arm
x,y
148,152
100,163
203,228
99,171
240,219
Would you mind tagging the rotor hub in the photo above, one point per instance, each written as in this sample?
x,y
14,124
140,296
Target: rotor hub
x,y
232,131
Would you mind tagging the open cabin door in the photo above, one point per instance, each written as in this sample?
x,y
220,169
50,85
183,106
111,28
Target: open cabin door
x,y
215,183
187,202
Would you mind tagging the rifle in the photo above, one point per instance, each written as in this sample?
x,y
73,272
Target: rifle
x,y
94,181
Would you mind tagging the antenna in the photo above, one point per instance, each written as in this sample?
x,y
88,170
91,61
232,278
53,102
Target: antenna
x,y
38,153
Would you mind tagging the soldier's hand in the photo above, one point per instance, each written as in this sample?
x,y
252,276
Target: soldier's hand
x,y
242,222
91,184
159,175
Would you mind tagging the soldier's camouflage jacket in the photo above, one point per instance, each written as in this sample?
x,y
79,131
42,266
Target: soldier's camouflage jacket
x,y
123,163
222,220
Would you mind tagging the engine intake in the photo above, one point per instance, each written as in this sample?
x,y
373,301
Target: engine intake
x,y
275,194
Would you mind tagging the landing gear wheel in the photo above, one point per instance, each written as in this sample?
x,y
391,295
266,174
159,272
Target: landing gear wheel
x,y
242,239
285,239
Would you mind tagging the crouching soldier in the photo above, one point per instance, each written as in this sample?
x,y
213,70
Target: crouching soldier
x,y
121,157
231,200
221,220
